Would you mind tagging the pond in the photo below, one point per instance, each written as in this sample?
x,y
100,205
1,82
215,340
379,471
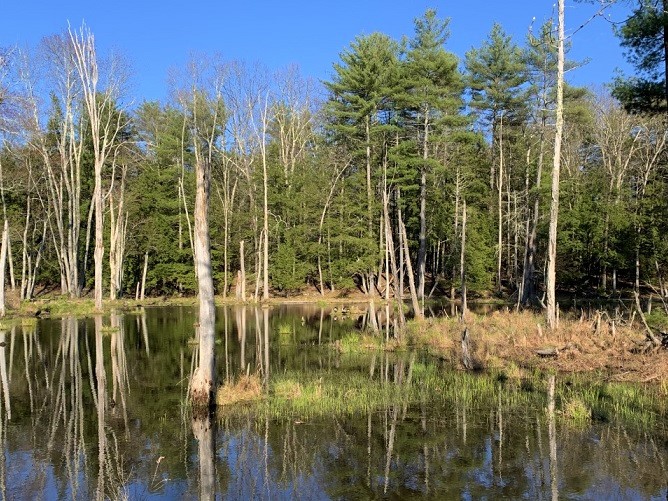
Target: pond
x,y
421,430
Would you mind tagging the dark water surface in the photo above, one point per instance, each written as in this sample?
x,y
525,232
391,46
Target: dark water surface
x,y
60,442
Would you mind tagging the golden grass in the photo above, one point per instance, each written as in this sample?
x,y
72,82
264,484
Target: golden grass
x,y
245,389
509,341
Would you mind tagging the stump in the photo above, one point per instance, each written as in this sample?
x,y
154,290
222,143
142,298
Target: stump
x,y
466,356
201,391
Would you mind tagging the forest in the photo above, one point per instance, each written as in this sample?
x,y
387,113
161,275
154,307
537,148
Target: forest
x,y
412,167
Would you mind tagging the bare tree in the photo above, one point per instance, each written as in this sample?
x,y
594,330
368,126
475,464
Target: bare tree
x,y
613,133
556,165
105,124
60,146
202,101
118,231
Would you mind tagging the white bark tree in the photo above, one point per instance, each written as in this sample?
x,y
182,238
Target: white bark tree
x,y
106,122
202,102
556,166
60,146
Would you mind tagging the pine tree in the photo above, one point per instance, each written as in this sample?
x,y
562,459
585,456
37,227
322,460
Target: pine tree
x,y
430,102
497,75
645,36
359,107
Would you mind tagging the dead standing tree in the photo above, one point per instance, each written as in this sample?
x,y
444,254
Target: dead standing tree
x,y
105,124
556,166
203,105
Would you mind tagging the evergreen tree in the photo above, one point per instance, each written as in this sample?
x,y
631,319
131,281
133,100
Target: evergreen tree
x,y
431,101
645,36
497,76
359,108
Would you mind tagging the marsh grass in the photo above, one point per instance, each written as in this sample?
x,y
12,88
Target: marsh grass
x,y
513,390
510,341
7,324
28,322
292,394
577,412
285,333
245,389
356,342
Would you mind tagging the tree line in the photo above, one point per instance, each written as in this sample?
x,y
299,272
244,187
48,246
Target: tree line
x,y
410,168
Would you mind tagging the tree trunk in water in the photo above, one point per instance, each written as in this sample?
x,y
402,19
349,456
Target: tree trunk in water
x,y
101,380
202,388
203,432
554,203
552,435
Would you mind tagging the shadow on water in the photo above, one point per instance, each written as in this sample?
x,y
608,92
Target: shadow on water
x,y
95,409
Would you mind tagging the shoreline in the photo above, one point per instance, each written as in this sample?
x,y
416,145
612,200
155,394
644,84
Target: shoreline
x,y
505,339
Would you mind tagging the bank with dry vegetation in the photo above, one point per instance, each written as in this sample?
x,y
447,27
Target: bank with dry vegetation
x,y
613,349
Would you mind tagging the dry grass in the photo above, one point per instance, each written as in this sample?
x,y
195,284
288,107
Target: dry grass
x,y
509,341
245,389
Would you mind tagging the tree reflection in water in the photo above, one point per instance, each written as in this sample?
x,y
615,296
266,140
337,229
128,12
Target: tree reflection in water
x,y
96,413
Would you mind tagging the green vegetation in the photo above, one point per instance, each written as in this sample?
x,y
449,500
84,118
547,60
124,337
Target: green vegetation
x,y
643,35
407,133
579,400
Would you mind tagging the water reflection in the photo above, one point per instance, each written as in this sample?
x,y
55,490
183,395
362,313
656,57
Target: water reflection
x,y
97,411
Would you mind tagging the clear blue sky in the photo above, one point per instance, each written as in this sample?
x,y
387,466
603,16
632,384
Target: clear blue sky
x,y
158,35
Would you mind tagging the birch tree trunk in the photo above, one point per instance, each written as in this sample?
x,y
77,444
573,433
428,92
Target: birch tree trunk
x,y
411,280
556,165
119,221
203,384
62,170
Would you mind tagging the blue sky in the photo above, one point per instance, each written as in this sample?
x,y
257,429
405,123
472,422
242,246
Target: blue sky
x,y
158,35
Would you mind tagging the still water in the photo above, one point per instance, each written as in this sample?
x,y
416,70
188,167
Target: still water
x,y
94,409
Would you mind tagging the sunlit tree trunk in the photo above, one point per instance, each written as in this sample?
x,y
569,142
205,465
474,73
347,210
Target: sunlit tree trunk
x,y
143,276
62,170
105,126
203,384
3,267
556,165
462,261
411,278
499,186
119,222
